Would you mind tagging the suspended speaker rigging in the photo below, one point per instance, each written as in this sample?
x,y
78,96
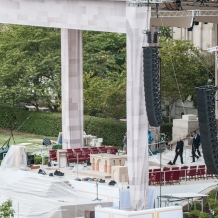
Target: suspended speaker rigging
x,y
152,85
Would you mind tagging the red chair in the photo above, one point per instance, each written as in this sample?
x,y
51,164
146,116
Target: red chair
x,y
86,153
77,149
200,172
176,176
156,178
53,155
150,173
94,151
102,150
112,151
165,169
183,172
168,177
78,154
175,168
156,170
70,156
192,172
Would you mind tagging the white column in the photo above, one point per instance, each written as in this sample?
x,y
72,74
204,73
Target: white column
x,y
137,19
72,88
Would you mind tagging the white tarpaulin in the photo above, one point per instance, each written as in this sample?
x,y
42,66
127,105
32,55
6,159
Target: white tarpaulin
x,y
16,157
41,196
138,19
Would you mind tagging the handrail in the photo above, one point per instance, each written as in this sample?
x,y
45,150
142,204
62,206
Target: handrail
x,y
184,137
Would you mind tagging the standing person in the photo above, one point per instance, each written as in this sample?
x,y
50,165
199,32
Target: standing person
x,y
196,142
125,143
179,150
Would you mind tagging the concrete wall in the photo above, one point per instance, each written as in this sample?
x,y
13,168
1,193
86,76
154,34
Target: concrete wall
x,y
177,110
202,36
182,126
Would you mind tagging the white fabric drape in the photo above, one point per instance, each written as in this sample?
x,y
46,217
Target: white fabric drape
x,y
138,19
16,157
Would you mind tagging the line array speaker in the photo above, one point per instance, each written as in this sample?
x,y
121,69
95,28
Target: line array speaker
x,y
207,123
152,85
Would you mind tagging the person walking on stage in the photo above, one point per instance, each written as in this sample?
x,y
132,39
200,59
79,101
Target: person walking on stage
x,y
195,145
179,151
196,142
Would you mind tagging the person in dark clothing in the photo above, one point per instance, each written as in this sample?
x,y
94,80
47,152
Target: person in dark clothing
x,y
179,150
196,142
195,146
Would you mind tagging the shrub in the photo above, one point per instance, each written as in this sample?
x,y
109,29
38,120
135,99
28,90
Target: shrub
x,y
6,209
56,146
50,124
112,131
194,214
166,128
38,160
40,123
204,215
197,205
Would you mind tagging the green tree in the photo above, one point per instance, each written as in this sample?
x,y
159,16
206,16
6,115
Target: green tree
x,y
6,209
165,32
182,69
30,65
104,53
105,97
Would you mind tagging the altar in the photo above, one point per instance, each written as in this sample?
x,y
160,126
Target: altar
x,y
104,162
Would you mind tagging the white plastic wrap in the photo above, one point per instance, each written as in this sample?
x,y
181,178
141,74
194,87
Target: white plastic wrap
x,y
16,157
41,196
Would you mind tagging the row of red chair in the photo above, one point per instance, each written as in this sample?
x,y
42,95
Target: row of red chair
x,y
83,154
168,175
160,177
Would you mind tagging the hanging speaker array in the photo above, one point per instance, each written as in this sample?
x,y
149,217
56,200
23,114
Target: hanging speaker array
x,y
152,85
205,98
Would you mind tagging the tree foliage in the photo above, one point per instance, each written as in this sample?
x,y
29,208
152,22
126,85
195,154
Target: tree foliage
x,y
165,32
30,69
30,65
6,209
104,74
104,53
105,97
183,67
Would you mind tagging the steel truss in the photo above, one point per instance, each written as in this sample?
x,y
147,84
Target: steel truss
x,y
183,13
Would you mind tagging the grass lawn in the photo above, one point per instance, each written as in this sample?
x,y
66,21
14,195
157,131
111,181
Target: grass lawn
x,y
31,140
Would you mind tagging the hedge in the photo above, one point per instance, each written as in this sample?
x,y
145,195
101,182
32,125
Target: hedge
x,y
49,124
166,128
112,131
40,123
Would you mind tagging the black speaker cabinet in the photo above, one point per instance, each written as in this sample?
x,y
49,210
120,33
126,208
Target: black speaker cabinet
x,y
207,124
152,85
